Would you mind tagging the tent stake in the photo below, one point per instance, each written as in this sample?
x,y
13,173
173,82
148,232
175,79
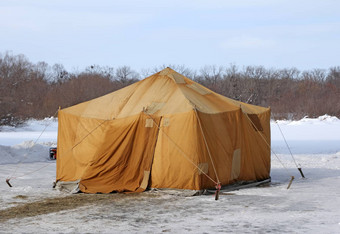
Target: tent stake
x,y
217,193
300,170
290,182
7,181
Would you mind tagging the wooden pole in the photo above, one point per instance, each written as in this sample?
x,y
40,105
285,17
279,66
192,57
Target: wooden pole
x,y
290,182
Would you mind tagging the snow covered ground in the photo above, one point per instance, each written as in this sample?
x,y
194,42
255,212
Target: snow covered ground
x,y
311,205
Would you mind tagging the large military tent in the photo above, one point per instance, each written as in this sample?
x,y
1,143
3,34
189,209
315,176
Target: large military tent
x,y
165,131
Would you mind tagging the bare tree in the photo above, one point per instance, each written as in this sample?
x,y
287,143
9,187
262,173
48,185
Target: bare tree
x,y
60,74
125,73
36,90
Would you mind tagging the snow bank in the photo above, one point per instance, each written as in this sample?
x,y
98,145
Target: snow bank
x,y
25,152
17,144
46,130
308,135
33,125
323,128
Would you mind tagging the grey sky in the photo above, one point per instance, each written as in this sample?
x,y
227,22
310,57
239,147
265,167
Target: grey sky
x,y
145,34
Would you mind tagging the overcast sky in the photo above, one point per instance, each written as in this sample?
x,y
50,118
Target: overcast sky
x,y
146,34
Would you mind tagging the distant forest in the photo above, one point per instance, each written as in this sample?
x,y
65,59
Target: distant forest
x,y
29,90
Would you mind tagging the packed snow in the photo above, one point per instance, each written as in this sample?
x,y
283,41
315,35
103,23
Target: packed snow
x,y
310,205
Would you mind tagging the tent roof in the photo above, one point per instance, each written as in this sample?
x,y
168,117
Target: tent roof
x,y
166,92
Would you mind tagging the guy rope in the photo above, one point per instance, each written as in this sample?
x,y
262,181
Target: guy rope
x,y
265,140
75,145
25,156
217,183
297,166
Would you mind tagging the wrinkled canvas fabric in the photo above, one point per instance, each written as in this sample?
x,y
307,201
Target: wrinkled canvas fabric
x,y
148,135
68,186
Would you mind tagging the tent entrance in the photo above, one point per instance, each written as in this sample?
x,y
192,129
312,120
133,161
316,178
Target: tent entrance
x,y
123,163
147,174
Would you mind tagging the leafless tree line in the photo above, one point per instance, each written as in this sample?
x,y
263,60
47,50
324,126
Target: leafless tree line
x,y
30,90
290,93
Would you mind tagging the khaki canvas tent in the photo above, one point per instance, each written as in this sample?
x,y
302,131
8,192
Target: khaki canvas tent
x,y
165,131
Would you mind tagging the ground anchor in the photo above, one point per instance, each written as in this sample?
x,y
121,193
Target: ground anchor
x,y
290,182
9,184
300,170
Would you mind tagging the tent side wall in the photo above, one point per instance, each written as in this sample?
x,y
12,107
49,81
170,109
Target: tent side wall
x,y
176,153
78,139
255,148
239,144
106,155
123,161
237,150
222,132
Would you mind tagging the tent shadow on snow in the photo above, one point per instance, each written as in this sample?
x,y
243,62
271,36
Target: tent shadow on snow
x,y
165,131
